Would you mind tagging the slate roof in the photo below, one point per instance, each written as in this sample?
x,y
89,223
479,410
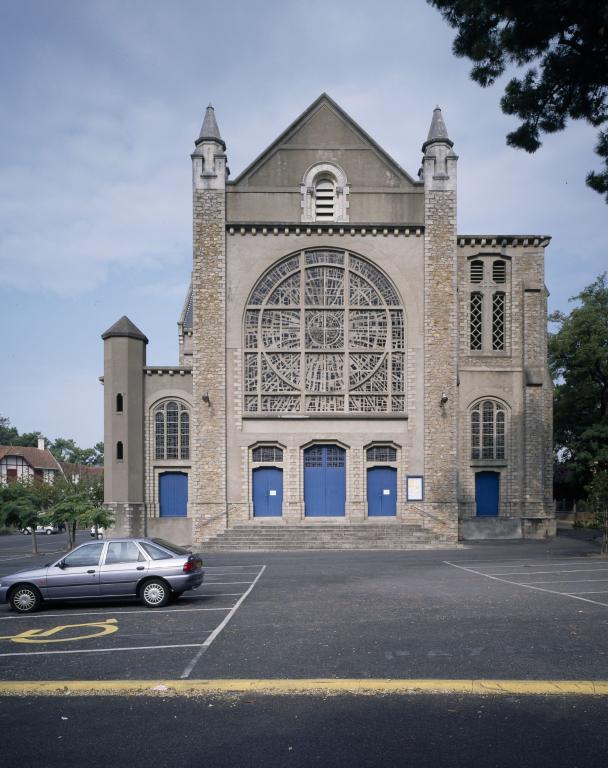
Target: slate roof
x,y
124,327
186,316
39,459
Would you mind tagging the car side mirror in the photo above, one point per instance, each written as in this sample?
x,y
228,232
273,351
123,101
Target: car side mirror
x,y
61,564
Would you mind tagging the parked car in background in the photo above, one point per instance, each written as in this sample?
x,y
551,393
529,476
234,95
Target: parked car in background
x,y
152,570
47,529
100,531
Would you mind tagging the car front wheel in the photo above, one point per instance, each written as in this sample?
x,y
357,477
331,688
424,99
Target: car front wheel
x,y
25,599
155,593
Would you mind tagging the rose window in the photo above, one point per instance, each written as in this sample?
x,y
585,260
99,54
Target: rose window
x,y
324,332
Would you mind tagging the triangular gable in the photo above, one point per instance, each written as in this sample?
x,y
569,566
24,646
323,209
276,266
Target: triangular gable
x,y
325,126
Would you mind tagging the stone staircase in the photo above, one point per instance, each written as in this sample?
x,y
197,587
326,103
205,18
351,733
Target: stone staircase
x,y
264,538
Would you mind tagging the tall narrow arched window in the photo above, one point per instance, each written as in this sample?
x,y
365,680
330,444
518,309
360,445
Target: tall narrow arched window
x,y
498,321
489,304
488,430
476,321
171,431
184,435
119,403
119,451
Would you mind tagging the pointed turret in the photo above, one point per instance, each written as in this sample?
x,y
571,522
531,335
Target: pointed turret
x,y
209,169
437,131
439,161
210,130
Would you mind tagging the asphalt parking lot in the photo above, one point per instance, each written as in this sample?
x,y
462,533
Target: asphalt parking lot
x,y
524,610
520,611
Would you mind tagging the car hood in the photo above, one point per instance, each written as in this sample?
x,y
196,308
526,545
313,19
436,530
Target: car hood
x,y
31,573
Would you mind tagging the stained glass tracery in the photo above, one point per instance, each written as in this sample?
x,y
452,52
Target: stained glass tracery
x,y
324,331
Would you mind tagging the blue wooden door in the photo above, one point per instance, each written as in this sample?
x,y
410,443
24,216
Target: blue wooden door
x,y
487,489
173,494
267,492
324,481
381,492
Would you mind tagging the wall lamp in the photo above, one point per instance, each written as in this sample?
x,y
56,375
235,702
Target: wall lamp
x,y
206,398
444,399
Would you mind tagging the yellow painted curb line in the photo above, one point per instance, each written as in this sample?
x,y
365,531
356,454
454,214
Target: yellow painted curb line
x,y
302,686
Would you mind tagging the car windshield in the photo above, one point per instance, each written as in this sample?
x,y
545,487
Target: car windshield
x,y
177,550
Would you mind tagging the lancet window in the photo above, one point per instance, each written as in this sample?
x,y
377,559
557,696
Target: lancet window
x,y
324,332
171,431
488,428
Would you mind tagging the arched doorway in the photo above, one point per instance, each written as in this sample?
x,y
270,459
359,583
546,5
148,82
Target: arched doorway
x,y
324,481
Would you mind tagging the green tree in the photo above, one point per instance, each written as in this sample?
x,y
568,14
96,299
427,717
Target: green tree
x,y
23,504
563,44
598,500
578,357
79,505
7,433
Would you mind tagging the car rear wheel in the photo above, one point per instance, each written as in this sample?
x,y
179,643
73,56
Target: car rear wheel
x,y
48,531
155,593
25,599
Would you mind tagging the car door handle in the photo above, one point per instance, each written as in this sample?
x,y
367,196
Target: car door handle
x,y
140,568
91,571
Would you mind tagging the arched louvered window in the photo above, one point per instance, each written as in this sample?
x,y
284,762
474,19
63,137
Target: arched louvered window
x,y
476,271
119,403
325,199
499,272
488,430
171,431
119,451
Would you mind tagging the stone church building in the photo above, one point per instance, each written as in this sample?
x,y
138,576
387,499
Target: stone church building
x,y
352,371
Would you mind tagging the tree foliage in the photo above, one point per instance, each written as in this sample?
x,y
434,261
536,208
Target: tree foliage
x,y
563,44
578,357
63,449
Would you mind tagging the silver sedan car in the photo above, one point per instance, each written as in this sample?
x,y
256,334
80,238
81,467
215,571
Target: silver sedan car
x,y
153,570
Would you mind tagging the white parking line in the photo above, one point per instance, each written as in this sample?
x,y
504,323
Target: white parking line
x,y
215,575
190,666
526,586
103,650
231,582
76,614
542,573
592,592
563,581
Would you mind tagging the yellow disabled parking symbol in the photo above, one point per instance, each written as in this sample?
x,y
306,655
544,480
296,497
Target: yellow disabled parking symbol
x,y
68,632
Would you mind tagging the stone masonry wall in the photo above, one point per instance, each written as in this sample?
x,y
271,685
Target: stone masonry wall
x,y
440,361
208,449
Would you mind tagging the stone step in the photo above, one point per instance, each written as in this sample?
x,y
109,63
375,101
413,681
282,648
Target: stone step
x,y
282,537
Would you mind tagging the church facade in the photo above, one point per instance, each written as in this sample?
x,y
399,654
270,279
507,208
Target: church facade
x,y
346,358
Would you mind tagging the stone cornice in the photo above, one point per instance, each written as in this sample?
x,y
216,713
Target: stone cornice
x,y
504,241
337,228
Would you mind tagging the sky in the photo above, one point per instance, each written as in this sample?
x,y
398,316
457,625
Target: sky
x,y
100,103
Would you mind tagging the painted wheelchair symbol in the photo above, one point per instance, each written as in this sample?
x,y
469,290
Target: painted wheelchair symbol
x,y
97,629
